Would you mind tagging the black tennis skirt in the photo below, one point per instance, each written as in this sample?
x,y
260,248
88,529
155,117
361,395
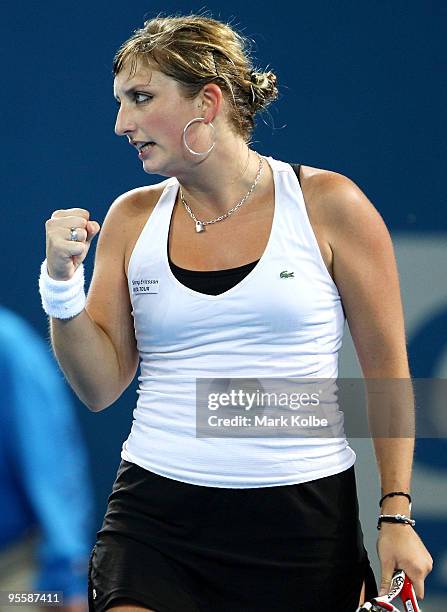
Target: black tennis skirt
x,y
176,547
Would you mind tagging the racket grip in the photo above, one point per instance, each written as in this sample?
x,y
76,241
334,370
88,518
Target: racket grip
x,y
408,597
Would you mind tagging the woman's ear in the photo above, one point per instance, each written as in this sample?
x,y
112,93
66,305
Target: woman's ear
x,y
210,101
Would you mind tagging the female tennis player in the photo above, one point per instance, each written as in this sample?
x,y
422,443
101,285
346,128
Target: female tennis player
x,y
234,266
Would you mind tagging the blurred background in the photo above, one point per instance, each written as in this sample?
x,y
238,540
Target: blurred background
x,y
363,92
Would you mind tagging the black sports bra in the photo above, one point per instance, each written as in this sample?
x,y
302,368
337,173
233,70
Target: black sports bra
x,y
211,282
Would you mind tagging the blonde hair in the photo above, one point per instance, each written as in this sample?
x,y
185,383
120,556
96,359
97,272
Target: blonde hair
x,y
196,50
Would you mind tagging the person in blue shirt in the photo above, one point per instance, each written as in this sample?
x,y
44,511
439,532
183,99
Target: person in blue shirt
x,y
45,488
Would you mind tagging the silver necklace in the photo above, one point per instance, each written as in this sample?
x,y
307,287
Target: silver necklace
x,y
200,225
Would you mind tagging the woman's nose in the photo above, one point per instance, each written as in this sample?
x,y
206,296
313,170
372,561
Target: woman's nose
x,y
124,123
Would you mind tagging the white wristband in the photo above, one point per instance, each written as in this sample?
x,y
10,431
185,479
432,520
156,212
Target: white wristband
x,y
62,299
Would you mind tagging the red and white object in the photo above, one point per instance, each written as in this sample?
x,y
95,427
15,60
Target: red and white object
x,y
401,587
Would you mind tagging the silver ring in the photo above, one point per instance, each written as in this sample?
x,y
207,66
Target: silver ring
x,y
74,234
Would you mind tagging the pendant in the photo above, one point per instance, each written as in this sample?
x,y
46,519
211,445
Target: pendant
x,y
199,227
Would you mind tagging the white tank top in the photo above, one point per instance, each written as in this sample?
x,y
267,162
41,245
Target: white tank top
x,y
268,325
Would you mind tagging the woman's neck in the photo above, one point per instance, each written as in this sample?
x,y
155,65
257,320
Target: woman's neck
x,y
221,181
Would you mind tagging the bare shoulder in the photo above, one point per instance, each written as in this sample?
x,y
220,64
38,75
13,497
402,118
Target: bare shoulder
x,y
337,206
322,185
136,202
127,216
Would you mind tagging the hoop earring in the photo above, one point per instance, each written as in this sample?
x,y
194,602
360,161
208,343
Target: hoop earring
x,y
185,129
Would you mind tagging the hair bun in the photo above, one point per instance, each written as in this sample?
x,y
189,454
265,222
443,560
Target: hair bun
x,y
263,87
260,79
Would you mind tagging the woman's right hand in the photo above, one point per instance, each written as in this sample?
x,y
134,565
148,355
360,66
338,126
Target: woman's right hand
x,y
65,255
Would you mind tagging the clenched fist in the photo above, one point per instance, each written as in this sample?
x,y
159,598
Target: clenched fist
x,y
64,254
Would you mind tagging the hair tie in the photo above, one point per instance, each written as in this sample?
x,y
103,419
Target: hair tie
x,y
393,494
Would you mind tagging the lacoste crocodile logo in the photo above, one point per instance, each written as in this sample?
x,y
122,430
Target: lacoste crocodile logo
x,y
285,274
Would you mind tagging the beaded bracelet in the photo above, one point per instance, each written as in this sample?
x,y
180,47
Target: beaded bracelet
x,y
395,518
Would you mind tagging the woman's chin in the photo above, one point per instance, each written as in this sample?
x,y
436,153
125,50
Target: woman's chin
x,y
152,166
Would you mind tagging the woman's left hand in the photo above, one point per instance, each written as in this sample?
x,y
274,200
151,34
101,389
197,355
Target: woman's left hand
x,y
400,547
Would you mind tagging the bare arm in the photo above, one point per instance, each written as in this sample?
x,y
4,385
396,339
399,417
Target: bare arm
x,y
366,275
97,348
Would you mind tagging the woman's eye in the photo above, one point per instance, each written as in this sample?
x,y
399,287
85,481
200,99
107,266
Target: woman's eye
x,y
142,97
